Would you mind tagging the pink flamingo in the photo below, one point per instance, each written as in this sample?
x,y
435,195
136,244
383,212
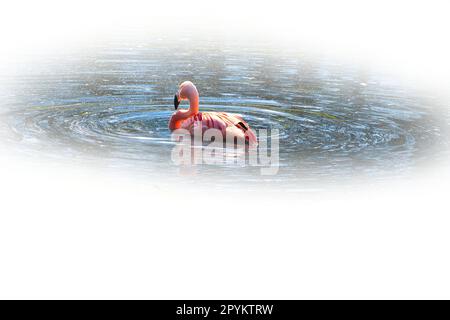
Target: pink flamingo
x,y
227,123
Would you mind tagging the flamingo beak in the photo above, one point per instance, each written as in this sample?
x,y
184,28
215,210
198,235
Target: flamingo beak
x,y
176,103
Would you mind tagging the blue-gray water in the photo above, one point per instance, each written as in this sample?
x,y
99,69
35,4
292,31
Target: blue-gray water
x,y
112,101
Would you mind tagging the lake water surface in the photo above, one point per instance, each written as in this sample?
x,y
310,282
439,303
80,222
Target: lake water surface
x,y
112,101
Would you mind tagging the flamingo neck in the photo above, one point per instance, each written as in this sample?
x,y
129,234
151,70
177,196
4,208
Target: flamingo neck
x,y
181,115
193,103
190,93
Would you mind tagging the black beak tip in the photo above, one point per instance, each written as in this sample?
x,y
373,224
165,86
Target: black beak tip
x,y
176,103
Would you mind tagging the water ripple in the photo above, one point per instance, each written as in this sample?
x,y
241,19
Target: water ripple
x,y
332,121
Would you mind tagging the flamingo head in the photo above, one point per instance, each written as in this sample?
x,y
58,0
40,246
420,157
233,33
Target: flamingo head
x,y
186,91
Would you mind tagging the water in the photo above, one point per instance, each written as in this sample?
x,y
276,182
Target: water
x,y
111,102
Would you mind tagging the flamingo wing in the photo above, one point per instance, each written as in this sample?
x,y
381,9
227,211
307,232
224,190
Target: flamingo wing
x,y
227,123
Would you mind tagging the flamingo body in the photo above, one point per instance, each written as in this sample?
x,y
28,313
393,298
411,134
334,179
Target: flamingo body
x,y
227,123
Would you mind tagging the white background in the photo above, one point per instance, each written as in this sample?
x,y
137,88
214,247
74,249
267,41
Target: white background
x,y
71,232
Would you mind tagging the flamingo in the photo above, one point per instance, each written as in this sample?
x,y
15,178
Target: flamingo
x,y
227,123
